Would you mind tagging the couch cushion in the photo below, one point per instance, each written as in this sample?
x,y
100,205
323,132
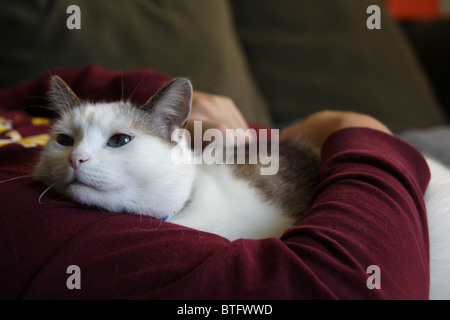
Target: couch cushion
x,y
311,55
177,37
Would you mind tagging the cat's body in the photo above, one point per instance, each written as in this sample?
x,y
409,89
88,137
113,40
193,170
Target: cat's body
x,y
90,159
235,201
219,203
142,177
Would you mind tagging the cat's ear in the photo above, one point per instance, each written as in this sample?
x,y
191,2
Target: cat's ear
x,y
61,96
171,105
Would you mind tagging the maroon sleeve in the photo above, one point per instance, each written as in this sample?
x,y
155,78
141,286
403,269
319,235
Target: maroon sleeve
x,y
367,210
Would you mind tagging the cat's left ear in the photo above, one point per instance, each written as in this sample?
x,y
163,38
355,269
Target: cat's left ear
x,y
61,96
171,105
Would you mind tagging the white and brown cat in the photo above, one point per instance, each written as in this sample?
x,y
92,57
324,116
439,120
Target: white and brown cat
x,y
118,157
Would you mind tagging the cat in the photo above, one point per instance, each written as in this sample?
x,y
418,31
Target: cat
x,y
90,160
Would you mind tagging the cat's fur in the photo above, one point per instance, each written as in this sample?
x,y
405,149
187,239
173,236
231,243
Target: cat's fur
x,y
142,178
234,201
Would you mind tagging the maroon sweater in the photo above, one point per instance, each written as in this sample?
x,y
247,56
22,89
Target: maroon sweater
x,y
367,210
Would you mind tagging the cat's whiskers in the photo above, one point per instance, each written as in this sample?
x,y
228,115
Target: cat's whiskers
x,y
122,81
141,229
30,175
45,191
19,177
136,88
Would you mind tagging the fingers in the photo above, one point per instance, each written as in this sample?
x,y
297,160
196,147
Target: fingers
x,y
217,109
215,112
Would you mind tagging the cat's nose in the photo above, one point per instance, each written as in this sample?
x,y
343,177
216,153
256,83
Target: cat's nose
x,y
76,159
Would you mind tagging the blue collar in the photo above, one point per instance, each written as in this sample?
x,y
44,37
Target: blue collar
x,y
185,204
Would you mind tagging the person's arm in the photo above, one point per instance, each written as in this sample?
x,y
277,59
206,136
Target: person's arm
x,y
367,219
367,212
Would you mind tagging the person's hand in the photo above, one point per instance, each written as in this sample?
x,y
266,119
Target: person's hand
x,y
215,112
319,126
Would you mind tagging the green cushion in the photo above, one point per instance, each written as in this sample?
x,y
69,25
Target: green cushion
x,y
312,55
177,37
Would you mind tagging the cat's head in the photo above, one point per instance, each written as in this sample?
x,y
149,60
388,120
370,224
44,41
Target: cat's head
x,y
118,156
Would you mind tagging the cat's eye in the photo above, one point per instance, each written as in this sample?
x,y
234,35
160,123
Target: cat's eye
x,y
119,140
65,140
